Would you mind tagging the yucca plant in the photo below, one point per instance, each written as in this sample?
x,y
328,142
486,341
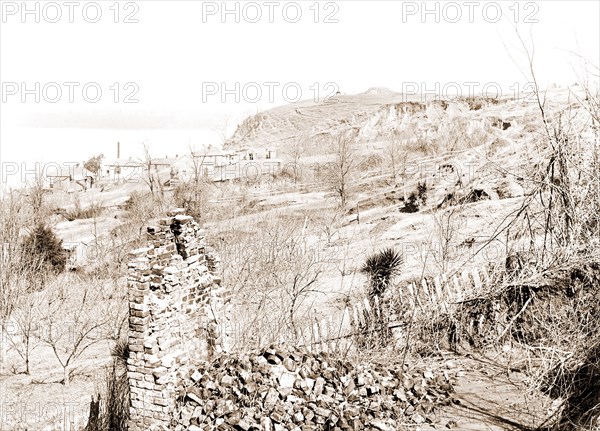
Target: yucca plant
x,y
381,267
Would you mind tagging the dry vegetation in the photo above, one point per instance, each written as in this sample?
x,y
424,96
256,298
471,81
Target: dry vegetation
x,y
385,202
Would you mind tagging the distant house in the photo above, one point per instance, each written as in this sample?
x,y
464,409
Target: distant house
x,y
215,164
200,163
256,153
76,253
120,170
250,169
69,178
212,156
162,163
210,159
250,154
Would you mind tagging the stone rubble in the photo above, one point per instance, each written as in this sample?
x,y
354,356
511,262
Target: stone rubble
x,y
181,376
276,390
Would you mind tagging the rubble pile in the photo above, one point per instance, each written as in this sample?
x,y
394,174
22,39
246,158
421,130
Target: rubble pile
x,y
275,390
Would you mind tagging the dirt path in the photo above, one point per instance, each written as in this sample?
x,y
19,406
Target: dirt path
x,y
488,396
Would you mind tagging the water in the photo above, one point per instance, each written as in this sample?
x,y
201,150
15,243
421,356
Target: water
x,y
25,149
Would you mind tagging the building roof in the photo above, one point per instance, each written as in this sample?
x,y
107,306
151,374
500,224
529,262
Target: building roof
x,y
163,161
125,163
68,172
210,151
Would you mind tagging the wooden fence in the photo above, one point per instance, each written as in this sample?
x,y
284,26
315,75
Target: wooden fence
x,y
365,319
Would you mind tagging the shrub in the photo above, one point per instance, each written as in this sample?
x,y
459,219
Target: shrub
x,y
42,245
422,192
94,210
116,408
373,161
110,412
191,196
381,267
417,199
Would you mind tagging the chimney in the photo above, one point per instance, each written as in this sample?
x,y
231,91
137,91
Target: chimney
x,y
118,150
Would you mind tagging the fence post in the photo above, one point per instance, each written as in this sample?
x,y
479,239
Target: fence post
x,y
414,290
484,273
368,312
324,336
427,291
477,280
377,307
331,334
438,288
447,287
315,336
356,319
466,281
457,288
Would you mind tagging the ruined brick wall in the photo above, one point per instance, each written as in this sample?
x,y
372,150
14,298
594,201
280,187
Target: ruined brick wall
x,y
178,312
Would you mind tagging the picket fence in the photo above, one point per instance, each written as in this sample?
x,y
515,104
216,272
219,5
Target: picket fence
x,y
339,331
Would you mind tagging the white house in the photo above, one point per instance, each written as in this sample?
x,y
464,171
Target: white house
x,y
120,170
215,164
68,178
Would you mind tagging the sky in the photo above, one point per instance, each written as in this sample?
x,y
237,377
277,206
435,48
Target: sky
x,y
78,77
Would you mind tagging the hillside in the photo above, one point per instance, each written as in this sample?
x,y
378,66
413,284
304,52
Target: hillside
x,y
450,185
375,114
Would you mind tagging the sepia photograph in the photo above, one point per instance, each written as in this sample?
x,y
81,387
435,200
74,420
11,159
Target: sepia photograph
x,y
303,215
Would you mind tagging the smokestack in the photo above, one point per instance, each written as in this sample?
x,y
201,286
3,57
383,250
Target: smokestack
x,y
118,150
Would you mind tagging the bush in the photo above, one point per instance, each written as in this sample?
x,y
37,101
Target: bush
x,y
192,197
373,161
422,192
381,267
78,213
417,199
116,409
110,412
42,246
142,207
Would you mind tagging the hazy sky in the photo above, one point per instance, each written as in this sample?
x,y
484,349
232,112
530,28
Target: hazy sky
x,y
177,59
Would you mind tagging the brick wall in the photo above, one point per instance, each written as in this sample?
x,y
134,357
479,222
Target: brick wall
x,y
178,315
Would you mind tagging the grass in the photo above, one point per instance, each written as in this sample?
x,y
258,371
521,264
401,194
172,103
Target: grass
x,y
541,311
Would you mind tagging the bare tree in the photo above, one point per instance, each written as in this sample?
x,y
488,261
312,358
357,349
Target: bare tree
x,y
152,174
446,230
25,320
191,194
35,195
75,317
12,210
276,277
15,276
329,226
298,150
198,159
340,172
394,153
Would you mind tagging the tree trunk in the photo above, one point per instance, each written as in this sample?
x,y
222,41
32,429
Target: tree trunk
x,y
292,321
66,375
